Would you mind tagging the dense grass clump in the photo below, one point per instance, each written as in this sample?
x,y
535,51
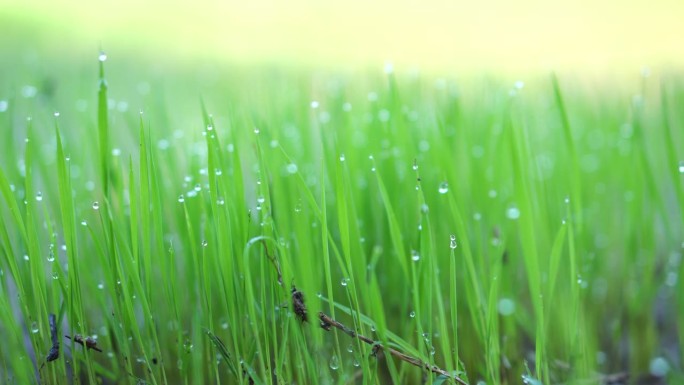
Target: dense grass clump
x,y
490,231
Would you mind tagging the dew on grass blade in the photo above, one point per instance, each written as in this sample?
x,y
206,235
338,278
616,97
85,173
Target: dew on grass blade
x,y
659,367
452,241
513,213
205,243
342,157
415,257
412,314
198,187
261,199
102,57
350,348
96,205
506,306
181,198
291,168
334,362
26,257
344,281
39,196
34,327
100,286
681,167
443,188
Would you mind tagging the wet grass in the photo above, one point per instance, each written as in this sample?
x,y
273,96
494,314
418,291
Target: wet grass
x,y
489,230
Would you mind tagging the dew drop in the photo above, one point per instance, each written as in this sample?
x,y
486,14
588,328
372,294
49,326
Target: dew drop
x,y
356,362
681,167
506,306
256,131
342,158
415,256
298,207
314,104
452,241
34,327
220,201
261,199
205,243
659,367
291,168
26,257
100,286
102,57
350,348
344,281
96,205
513,213
372,328
55,276
181,198
198,187
443,188
39,196
84,223
224,325
334,362
412,314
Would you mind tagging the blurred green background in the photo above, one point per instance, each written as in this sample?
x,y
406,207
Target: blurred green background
x,y
490,35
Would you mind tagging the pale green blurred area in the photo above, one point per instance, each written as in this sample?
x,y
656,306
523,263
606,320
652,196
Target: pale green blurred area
x,y
490,35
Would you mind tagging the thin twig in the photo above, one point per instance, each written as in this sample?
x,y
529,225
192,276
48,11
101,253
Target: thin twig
x,y
327,323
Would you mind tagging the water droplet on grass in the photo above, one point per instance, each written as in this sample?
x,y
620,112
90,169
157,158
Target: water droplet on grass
x,y
34,328
350,348
256,131
314,104
412,314
96,205
39,196
291,168
334,362
342,158
26,257
659,367
181,198
102,57
261,199
506,306
205,243
100,286
681,167
452,241
443,188
344,282
55,275
415,256
513,213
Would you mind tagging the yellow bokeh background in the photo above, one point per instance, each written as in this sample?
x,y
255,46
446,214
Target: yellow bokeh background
x,y
490,35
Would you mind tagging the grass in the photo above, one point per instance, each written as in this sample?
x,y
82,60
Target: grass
x,y
496,232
